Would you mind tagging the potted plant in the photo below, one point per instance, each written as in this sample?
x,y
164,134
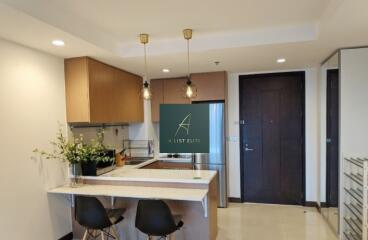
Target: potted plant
x,y
96,153
77,153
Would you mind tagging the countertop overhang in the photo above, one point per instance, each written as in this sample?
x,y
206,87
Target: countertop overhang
x,y
138,192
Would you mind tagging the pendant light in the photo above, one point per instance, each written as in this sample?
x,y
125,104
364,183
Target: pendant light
x,y
190,90
146,91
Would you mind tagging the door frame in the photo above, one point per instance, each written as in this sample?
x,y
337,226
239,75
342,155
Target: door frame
x,y
242,160
328,160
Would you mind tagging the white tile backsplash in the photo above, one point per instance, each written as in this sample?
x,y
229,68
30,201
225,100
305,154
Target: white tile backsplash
x,y
113,137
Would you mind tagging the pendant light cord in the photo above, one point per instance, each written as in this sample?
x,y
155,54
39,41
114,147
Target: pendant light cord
x,y
145,62
188,57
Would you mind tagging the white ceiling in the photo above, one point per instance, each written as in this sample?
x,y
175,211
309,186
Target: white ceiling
x,y
244,35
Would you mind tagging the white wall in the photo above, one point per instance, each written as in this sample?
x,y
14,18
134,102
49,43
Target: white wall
x,y
146,130
142,131
232,138
353,108
32,101
322,134
354,99
312,134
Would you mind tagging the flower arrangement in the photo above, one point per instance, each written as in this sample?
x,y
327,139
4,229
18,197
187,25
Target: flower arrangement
x,y
76,151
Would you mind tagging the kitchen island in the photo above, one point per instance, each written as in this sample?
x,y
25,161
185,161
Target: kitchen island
x,y
191,194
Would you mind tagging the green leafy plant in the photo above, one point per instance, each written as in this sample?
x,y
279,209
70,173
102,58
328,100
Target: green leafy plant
x,y
76,151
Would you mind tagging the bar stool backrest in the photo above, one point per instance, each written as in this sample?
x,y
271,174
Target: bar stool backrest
x,y
90,213
154,218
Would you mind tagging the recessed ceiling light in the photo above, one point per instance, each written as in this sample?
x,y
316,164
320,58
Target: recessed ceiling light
x,y
281,60
58,42
166,70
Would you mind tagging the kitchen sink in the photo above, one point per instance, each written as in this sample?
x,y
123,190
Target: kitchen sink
x,y
169,165
136,160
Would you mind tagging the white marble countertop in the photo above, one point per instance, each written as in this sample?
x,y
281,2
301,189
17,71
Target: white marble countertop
x,y
133,173
134,192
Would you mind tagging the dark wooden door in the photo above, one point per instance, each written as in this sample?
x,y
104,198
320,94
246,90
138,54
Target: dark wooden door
x,y
272,137
332,148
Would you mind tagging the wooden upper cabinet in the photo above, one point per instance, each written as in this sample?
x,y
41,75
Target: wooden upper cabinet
x,y
210,86
101,79
128,103
77,90
173,91
157,89
99,93
166,91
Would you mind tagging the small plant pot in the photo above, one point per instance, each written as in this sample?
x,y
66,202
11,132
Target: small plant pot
x,y
89,168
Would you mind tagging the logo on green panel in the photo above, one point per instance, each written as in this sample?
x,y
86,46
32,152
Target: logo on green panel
x,y
185,124
184,128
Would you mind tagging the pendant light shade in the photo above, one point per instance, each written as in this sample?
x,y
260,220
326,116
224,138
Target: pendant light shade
x,y
146,91
190,90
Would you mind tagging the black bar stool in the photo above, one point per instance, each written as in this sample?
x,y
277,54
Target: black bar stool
x,y
98,221
154,218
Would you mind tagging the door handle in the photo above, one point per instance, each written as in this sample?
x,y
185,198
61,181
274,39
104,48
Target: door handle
x,y
248,149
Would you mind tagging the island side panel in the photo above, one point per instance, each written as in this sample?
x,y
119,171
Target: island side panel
x,y
212,206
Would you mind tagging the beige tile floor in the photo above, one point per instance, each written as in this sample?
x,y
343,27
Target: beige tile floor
x,y
272,222
333,217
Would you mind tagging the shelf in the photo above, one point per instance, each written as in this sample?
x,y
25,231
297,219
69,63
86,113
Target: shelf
x,y
355,214
351,193
351,236
356,162
354,178
352,226
353,210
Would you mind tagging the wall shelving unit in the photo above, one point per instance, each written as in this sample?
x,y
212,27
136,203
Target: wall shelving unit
x,y
355,206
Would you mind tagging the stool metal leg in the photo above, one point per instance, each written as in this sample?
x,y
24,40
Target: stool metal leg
x,y
85,235
115,233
